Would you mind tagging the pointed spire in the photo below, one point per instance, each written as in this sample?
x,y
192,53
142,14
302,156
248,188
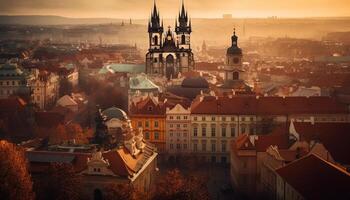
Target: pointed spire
x,y
175,23
183,9
154,6
234,31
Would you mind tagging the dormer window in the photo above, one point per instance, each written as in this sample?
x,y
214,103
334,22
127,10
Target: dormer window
x,y
150,108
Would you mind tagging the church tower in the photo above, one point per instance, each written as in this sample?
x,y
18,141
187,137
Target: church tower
x,y
155,29
169,54
233,59
183,29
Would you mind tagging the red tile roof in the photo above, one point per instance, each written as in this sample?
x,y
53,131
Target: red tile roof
x,y
267,105
122,163
334,136
148,106
259,143
12,104
315,178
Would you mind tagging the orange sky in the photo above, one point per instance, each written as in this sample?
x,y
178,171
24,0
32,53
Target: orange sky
x,y
169,8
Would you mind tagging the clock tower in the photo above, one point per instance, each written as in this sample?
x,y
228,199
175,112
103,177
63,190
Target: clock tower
x,y
233,64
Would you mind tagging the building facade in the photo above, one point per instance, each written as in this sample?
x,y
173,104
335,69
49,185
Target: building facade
x,y
217,120
44,89
178,130
149,115
169,54
13,80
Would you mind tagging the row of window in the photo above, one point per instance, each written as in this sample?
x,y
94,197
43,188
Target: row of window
x,y
178,117
178,146
147,124
178,125
213,146
9,92
156,135
171,134
222,118
224,132
8,83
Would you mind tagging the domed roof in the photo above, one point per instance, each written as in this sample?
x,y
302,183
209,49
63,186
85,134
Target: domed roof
x,y
195,82
234,50
114,112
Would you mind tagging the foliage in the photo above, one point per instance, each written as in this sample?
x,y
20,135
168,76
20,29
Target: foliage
x,y
71,132
174,186
121,192
60,182
15,182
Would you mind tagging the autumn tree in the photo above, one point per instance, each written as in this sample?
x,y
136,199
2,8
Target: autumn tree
x,y
59,183
75,132
58,135
174,186
121,192
15,181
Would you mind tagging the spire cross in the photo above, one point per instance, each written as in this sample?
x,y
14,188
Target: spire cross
x,y
234,31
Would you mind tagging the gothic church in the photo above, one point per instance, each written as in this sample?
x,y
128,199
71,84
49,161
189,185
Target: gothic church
x,y
169,54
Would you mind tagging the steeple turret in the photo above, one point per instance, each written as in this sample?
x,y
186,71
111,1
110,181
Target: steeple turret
x,y
184,26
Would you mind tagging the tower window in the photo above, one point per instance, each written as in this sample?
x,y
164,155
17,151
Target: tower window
x,y
183,39
235,75
156,40
155,60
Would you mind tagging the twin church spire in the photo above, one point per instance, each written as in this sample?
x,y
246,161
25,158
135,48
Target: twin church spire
x,y
182,23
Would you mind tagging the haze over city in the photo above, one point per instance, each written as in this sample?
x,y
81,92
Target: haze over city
x,y
198,8
174,99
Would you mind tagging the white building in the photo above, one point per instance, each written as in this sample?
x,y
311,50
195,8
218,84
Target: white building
x,y
178,130
45,89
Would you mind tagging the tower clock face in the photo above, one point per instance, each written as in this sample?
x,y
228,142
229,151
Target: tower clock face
x,y
236,60
169,37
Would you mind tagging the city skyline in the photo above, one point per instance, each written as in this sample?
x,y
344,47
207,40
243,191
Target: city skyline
x,y
198,9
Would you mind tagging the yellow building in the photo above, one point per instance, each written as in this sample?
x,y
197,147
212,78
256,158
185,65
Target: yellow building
x,y
149,114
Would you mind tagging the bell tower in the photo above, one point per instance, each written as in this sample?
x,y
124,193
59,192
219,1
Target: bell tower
x,y
183,29
233,65
155,29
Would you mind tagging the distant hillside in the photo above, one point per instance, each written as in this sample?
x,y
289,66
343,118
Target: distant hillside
x,y
53,20
215,32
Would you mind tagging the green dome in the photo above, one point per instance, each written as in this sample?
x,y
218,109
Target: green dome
x,y
114,112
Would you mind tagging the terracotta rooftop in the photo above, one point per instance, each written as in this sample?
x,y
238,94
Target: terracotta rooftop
x,y
334,136
148,106
122,163
315,178
267,105
12,104
259,143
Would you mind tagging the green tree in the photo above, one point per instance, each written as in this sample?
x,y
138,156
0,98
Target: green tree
x,y
15,181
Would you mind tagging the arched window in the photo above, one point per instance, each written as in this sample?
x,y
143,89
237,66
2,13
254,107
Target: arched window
x,y
98,194
235,75
156,40
183,39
